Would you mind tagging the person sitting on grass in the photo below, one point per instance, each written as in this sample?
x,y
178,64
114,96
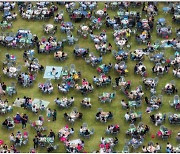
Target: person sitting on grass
x,y
17,118
53,72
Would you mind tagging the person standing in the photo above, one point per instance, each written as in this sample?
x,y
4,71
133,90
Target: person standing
x,y
4,88
54,114
48,114
24,120
52,134
36,142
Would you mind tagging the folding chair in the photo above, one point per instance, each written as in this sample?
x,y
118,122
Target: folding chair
x,y
85,125
100,109
92,131
75,109
72,67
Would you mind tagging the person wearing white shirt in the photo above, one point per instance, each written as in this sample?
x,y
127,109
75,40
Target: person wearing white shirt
x,y
26,63
102,140
158,147
116,66
127,116
144,149
50,89
169,145
81,130
12,138
71,99
57,101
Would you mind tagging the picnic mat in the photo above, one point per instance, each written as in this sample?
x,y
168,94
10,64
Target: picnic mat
x,y
39,102
49,75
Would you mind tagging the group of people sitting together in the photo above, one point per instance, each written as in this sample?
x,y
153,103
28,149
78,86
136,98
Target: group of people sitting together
x,y
132,116
39,11
100,42
174,118
93,60
85,88
64,133
107,144
140,68
70,77
122,25
60,55
170,88
74,115
104,116
85,131
8,123
19,139
151,83
5,107
6,149
102,80
151,148
46,87
51,44
26,79
86,102
158,118
107,97
64,102
154,103
113,129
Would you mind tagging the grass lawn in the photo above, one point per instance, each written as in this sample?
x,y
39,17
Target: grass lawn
x,y
88,72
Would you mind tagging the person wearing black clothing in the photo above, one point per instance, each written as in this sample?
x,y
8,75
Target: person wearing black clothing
x,y
51,134
98,114
115,129
146,129
135,133
50,148
146,100
54,115
115,140
38,45
152,118
25,55
24,120
135,68
173,89
5,123
117,81
17,141
4,86
5,146
39,134
36,142
36,39
153,69
87,133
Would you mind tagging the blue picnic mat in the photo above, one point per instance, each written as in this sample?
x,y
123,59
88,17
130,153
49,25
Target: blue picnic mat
x,y
48,72
165,45
39,102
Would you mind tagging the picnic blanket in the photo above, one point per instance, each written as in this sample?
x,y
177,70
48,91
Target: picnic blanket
x,y
19,102
48,72
39,103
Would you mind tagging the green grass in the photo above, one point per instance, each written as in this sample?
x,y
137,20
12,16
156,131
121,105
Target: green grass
x,y
88,72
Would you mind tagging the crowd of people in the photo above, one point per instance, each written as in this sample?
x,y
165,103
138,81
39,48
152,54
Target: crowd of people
x,y
141,24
